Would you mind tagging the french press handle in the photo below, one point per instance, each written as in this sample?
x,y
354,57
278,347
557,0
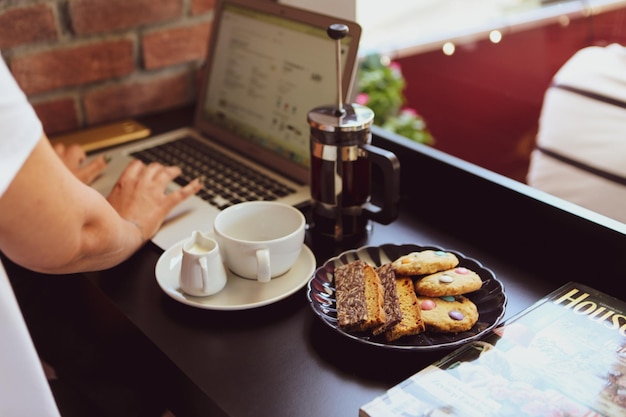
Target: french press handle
x,y
390,167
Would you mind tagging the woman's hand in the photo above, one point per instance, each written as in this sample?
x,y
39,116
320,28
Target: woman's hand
x,y
74,157
140,197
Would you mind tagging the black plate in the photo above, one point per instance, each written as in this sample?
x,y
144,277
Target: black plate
x,y
490,299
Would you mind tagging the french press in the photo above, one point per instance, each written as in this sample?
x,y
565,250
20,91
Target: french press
x,y
341,166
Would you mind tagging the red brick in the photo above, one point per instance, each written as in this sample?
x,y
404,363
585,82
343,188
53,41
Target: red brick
x,y
94,16
202,6
127,100
22,25
61,68
57,115
173,46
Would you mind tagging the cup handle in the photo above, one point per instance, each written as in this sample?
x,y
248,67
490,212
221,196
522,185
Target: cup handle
x,y
204,268
263,265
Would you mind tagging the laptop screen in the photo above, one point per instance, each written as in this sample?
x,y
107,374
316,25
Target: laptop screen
x,y
265,71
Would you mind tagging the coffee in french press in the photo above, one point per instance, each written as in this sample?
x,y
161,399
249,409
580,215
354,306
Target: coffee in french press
x,y
341,166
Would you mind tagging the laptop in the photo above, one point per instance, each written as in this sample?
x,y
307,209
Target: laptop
x,y
267,66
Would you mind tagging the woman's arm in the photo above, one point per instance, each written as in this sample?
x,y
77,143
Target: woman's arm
x,y
52,222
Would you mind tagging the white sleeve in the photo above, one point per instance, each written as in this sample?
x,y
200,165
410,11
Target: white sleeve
x,y
20,128
24,390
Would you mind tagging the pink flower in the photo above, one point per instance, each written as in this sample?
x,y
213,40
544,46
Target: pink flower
x,y
362,99
395,66
408,111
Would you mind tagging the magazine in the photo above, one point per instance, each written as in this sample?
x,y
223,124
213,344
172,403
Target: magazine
x,y
564,356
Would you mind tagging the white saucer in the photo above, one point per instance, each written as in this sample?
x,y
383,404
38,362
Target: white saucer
x,y
239,293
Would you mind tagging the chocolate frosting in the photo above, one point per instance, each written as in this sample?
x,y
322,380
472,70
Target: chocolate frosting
x,y
392,306
350,294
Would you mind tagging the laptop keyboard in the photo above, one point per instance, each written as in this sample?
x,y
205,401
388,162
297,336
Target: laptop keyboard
x,y
226,181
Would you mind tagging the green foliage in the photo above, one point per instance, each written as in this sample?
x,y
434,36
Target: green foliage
x,y
381,88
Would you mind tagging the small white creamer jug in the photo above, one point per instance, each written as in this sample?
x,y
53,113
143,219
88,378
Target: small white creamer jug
x,y
202,271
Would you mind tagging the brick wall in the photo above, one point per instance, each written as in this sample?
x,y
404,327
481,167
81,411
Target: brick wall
x,y
86,62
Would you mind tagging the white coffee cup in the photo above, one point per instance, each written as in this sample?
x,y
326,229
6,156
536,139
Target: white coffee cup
x,y
260,239
202,270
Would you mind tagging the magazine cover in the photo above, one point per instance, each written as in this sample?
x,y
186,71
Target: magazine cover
x,y
564,356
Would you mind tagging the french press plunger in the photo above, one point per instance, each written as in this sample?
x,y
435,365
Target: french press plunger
x,y
341,165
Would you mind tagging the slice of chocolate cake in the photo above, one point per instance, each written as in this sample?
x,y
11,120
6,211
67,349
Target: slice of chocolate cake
x,y
391,304
411,322
359,296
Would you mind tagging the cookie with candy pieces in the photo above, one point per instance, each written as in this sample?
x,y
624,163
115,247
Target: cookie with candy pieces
x,y
448,314
455,281
424,262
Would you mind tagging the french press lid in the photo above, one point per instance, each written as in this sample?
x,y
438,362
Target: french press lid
x,y
353,119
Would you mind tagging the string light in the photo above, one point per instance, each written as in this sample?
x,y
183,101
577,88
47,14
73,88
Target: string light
x,y
448,48
495,36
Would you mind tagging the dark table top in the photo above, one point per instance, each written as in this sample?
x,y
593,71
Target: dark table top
x,y
282,360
